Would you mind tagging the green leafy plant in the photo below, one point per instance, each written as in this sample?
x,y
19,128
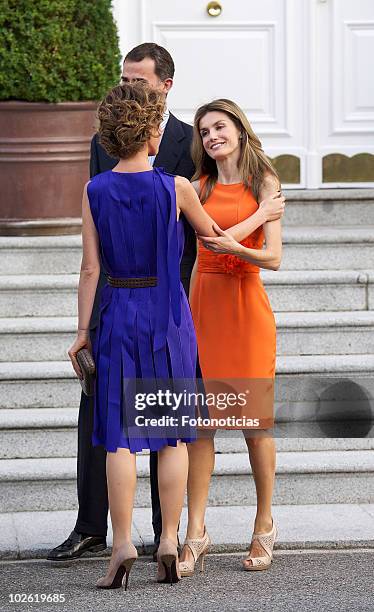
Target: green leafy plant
x,y
57,50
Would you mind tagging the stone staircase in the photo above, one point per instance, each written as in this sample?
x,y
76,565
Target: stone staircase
x,y
323,298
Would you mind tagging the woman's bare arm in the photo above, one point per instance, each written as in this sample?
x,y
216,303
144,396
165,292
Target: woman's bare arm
x,y
196,186
245,228
90,266
271,208
189,204
88,279
268,258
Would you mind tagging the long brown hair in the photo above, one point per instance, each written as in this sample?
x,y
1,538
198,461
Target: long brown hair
x,y
252,164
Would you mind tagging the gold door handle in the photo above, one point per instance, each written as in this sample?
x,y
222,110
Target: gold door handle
x,y
214,9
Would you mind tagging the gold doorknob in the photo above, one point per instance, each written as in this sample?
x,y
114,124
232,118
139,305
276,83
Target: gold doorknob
x,y
214,9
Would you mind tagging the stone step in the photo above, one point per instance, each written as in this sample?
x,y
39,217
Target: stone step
x,y
298,333
41,254
225,443
305,248
329,207
28,385
34,432
303,381
37,338
39,295
62,443
328,248
301,478
322,290
36,443
325,364
19,419
44,432
38,432
325,333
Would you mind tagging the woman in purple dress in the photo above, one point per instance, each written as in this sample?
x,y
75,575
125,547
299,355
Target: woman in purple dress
x,y
130,217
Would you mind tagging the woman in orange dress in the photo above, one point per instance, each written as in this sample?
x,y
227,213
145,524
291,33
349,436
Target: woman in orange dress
x,y
234,322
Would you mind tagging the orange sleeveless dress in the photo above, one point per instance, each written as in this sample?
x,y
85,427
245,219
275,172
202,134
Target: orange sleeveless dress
x,y
234,322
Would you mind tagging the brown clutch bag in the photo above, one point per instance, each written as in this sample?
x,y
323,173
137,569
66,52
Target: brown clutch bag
x,y
87,366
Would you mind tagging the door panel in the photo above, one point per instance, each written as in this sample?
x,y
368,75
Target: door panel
x,y
345,93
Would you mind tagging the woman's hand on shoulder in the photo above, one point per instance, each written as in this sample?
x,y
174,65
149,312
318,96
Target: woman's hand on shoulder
x,y
271,200
272,207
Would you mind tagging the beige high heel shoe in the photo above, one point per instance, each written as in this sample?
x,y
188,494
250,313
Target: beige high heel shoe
x,y
167,558
125,558
199,548
267,542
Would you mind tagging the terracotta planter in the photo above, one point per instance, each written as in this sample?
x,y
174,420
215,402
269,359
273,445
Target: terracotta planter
x,y
44,163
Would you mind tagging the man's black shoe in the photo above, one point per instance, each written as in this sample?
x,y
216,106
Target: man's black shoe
x,y
75,545
154,554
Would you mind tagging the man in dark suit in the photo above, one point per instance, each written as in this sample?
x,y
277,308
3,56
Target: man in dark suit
x,y
154,64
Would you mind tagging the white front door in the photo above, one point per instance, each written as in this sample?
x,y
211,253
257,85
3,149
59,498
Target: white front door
x,y
276,59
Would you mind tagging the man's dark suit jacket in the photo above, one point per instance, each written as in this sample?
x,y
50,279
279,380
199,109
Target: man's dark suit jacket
x,y
173,155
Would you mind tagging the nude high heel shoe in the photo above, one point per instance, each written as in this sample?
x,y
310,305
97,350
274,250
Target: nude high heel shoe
x,y
267,542
199,548
122,566
167,558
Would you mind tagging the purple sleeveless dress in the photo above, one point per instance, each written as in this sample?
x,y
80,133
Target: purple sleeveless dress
x,y
147,332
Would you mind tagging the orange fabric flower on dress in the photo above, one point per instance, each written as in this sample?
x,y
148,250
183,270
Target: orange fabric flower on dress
x,y
235,265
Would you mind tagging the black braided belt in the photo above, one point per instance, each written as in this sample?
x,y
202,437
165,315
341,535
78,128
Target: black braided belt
x,y
132,283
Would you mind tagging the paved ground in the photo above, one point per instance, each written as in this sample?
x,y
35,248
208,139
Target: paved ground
x,y
298,580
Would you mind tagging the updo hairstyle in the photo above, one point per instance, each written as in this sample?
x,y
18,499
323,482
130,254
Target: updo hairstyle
x,y
129,115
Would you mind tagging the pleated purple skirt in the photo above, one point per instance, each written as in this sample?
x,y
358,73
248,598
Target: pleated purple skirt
x,y
143,333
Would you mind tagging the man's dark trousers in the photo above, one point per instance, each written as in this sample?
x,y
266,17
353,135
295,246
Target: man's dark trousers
x,y
174,156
